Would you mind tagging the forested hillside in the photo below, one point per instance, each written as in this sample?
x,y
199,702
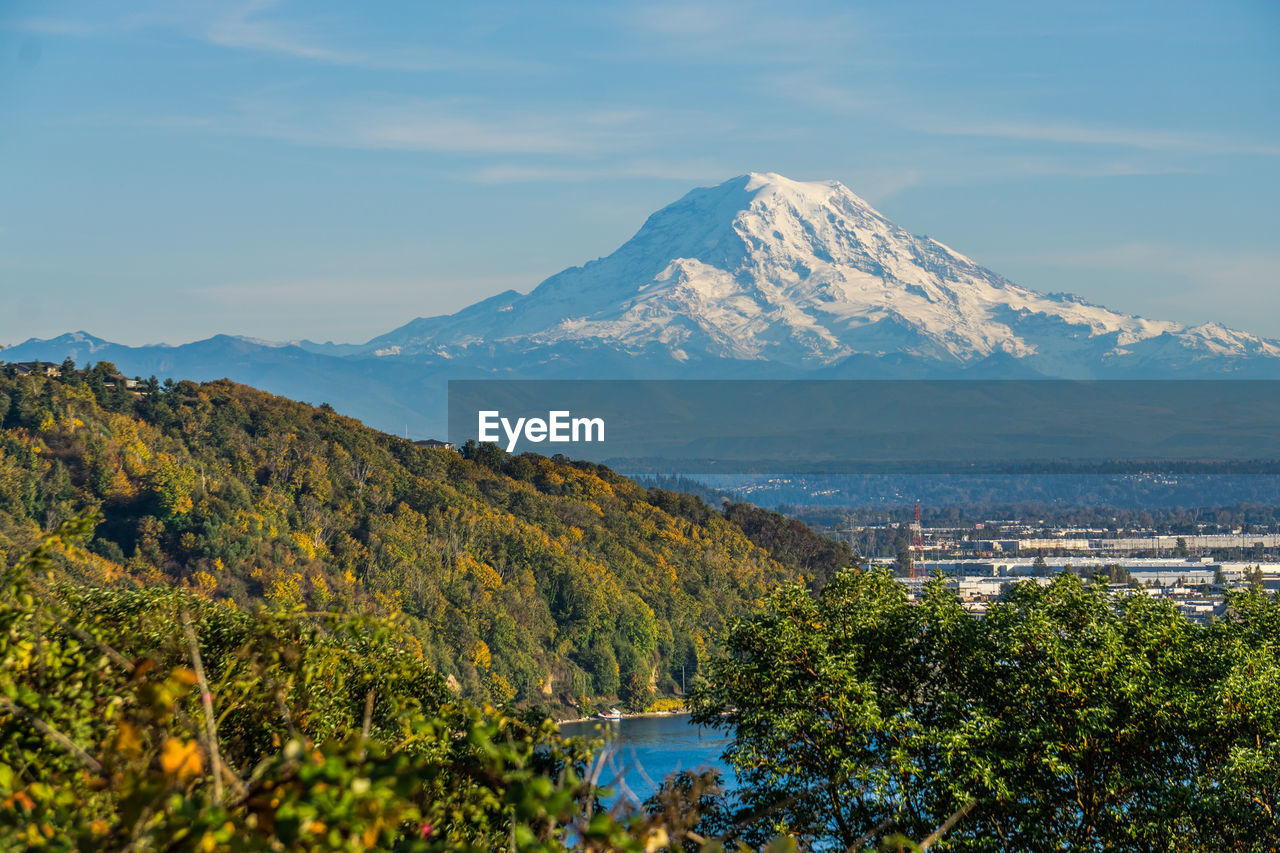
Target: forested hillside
x,y
522,577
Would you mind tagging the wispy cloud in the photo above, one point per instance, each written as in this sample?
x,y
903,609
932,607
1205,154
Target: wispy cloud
x,y
515,173
717,26
262,26
247,27
879,184
815,88
1081,134
420,124
252,26
1087,166
747,31
476,126
429,126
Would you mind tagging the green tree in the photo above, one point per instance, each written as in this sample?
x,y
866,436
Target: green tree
x,y
1065,719
1255,577
904,559
635,693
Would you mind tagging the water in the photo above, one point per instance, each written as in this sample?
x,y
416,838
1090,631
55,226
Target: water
x,y
643,750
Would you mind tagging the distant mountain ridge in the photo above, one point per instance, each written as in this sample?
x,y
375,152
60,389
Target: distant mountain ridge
x,y
759,276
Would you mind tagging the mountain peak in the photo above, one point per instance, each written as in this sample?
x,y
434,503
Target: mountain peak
x,y
772,185
82,339
760,276
773,180
800,276
767,189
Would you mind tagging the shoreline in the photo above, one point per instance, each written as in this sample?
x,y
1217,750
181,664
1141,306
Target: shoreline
x,y
677,713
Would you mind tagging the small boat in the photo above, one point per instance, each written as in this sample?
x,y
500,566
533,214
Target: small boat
x,y
611,714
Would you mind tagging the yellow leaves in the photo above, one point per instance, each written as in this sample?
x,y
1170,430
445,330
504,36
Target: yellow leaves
x,y
389,605
668,571
205,583
286,591
657,840
304,544
172,483
181,759
272,509
320,590
119,486
25,440
184,676
21,656
128,740
487,577
480,655
499,688
253,523
483,573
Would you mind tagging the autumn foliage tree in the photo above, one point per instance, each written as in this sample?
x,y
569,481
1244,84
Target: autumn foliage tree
x,y
575,579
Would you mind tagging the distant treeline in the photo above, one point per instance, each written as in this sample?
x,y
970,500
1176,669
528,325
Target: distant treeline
x,y
1062,491
1169,520
685,485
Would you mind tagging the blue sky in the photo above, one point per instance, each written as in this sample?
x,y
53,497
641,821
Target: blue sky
x,y
173,170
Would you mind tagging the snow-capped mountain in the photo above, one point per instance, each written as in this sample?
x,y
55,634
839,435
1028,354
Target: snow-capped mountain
x,y
759,277
808,276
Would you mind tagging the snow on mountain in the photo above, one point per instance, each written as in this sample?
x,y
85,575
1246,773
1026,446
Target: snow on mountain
x,y
807,276
758,277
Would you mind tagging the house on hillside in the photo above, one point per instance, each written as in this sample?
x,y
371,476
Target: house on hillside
x,y
119,380
435,444
36,368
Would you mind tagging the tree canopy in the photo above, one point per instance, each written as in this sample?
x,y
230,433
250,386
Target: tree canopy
x,y
1067,718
